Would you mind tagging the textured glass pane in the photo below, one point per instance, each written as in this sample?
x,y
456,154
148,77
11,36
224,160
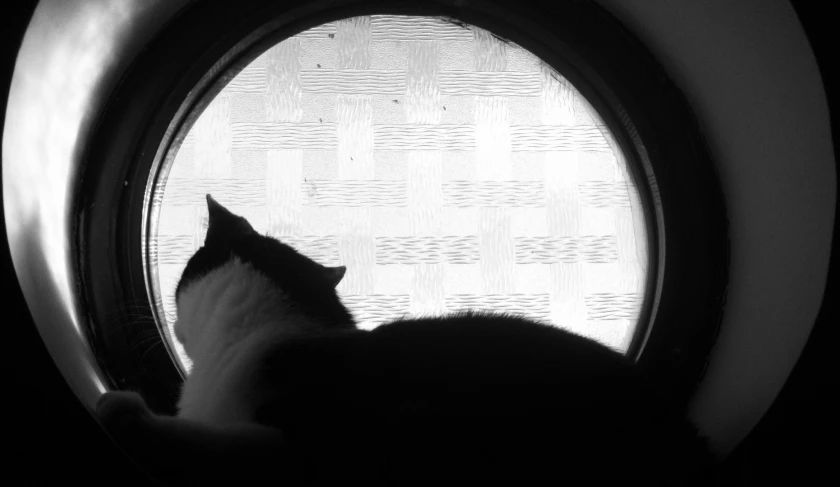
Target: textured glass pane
x,y
445,168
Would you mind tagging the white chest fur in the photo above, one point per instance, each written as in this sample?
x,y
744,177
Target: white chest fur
x,y
228,320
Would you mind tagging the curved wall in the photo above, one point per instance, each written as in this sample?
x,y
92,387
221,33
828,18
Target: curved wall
x,y
749,73
744,65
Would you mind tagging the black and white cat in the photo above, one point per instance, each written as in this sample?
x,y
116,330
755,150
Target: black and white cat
x,y
286,390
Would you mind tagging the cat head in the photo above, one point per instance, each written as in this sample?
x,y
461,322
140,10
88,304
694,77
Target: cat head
x,y
235,260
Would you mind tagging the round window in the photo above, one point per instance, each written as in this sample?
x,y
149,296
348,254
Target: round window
x,y
447,168
507,161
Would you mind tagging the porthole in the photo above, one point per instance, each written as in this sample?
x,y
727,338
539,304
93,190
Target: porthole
x,y
550,158
447,169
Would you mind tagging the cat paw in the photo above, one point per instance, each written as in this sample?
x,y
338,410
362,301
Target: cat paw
x,y
118,410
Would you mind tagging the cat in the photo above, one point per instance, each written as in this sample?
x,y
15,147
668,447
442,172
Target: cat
x,y
286,389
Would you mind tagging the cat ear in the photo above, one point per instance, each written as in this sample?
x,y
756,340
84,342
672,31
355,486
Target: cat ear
x,y
222,224
335,274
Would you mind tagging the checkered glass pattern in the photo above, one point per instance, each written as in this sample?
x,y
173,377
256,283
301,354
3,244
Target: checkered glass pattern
x,y
445,168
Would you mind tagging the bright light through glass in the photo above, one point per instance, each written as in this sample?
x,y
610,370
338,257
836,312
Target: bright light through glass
x,y
445,168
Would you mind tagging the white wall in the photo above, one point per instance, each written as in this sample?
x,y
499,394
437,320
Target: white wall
x,y
747,69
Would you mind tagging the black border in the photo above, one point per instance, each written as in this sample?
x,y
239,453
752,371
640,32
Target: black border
x,y
587,46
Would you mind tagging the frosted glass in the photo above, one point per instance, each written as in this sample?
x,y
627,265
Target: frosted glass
x,y
445,168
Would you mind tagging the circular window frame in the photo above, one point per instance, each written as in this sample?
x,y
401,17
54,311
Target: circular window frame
x,y
201,50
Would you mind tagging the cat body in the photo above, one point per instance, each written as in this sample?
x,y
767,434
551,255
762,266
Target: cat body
x,y
471,398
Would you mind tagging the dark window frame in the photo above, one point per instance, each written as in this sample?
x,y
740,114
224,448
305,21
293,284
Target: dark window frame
x,y
209,41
